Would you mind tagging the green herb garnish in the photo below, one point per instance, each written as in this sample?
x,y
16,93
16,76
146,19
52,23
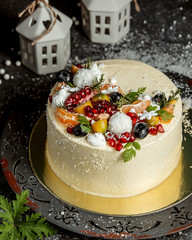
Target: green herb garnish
x,y
96,84
151,108
130,97
164,101
164,115
130,150
85,124
88,63
15,227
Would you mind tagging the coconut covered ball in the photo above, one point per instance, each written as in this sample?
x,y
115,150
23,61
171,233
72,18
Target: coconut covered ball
x,y
120,123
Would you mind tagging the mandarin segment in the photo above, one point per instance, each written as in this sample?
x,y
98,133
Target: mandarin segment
x,y
66,118
139,107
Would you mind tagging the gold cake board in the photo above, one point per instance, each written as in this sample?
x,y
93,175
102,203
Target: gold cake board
x,y
170,191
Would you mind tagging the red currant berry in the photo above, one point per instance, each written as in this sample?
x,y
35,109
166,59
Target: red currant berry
x,y
153,131
119,146
160,128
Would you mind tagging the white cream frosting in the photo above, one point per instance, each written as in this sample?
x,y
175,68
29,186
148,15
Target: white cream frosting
x,y
101,171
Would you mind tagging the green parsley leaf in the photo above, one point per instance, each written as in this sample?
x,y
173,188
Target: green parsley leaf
x,y
15,227
164,115
128,154
85,124
136,145
151,108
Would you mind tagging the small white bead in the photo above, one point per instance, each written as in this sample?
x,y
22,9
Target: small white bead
x,y
6,76
18,63
2,71
8,63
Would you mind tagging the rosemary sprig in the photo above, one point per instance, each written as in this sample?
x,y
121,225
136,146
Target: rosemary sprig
x,y
88,63
130,97
96,84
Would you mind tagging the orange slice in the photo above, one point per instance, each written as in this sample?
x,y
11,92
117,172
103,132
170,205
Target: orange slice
x,y
138,105
107,85
60,84
68,119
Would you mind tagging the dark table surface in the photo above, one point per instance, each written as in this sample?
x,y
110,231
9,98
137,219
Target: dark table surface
x,y
160,35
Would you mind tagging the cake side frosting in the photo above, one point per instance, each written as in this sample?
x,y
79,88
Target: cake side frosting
x,y
100,170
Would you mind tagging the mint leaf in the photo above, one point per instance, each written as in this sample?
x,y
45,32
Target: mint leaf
x,y
151,108
128,154
86,129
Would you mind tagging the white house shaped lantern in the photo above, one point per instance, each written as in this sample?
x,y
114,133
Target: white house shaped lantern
x,y
105,21
51,52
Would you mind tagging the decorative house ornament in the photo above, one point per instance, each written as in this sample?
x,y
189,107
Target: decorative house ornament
x,y
44,38
105,21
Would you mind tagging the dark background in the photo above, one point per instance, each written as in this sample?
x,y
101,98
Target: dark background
x,y
160,35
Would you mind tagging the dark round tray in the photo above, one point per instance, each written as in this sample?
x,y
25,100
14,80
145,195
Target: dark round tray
x,y
14,146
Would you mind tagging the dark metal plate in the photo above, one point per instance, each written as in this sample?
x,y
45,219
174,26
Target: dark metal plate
x,y
20,176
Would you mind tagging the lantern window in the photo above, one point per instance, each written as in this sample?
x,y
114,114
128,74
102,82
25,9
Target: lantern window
x,y
54,49
107,20
97,30
107,31
44,61
46,24
44,50
98,19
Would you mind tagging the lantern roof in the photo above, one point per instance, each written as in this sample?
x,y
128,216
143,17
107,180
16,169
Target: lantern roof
x,y
105,5
39,22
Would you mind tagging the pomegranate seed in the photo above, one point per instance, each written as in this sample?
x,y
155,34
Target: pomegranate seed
x,y
50,99
160,128
70,130
83,94
90,114
112,142
79,66
87,90
131,114
153,131
109,109
87,109
132,138
77,96
119,146
123,140
126,134
134,120
94,111
116,136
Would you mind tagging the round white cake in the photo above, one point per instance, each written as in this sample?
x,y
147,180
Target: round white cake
x,y
91,164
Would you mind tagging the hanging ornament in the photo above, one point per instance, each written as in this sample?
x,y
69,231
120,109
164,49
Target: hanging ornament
x,y
105,21
44,37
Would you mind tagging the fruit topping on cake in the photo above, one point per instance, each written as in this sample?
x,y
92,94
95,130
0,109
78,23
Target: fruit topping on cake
x,y
105,115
